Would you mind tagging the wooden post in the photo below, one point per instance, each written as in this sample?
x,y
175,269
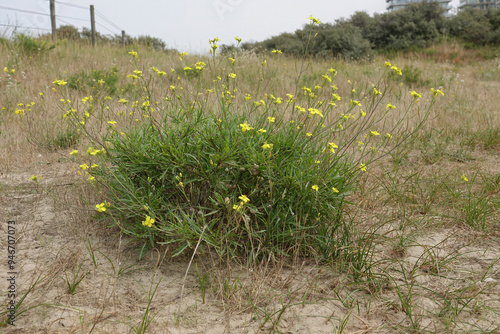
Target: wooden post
x,y
92,24
53,19
123,37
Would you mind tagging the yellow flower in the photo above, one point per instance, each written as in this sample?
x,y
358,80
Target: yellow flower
x,y
231,60
464,178
35,178
133,54
376,91
112,122
315,188
94,166
387,64
232,75
59,82
84,166
313,20
332,147
101,207
244,199
362,167
267,146
277,52
261,131
314,111
374,133
355,103
271,119
327,78
388,135
74,152
148,222
436,92
245,127
5,69
335,190
309,134
389,107
415,94
317,161
237,207
396,70
238,39
122,101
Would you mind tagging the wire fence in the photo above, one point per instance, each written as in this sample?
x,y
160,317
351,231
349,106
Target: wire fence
x,y
103,22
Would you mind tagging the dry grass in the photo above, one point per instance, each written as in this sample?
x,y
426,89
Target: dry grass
x,y
428,240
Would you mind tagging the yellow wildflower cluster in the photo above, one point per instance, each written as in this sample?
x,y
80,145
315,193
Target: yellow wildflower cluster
x,y
245,127
148,222
59,82
313,20
267,146
244,200
332,147
102,207
436,92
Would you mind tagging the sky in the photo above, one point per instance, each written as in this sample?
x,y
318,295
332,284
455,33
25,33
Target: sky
x,y
186,25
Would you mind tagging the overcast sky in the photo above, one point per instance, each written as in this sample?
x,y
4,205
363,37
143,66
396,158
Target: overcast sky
x,y
188,24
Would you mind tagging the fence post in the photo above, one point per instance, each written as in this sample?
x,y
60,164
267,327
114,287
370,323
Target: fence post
x,y
92,24
53,19
123,37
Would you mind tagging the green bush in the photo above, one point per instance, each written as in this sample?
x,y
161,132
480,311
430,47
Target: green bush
x,y
91,82
412,76
29,46
258,177
68,32
193,172
63,139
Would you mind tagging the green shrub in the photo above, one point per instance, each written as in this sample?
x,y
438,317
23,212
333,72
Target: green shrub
x,y
91,82
64,139
342,41
68,32
154,43
259,177
29,46
412,76
192,173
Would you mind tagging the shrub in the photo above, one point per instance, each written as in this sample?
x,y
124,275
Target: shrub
x,y
154,43
29,46
89,82
63,139
68,32
345,41
260,177
412,76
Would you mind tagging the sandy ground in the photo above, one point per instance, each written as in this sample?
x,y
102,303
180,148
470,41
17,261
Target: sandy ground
x,y
57,242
